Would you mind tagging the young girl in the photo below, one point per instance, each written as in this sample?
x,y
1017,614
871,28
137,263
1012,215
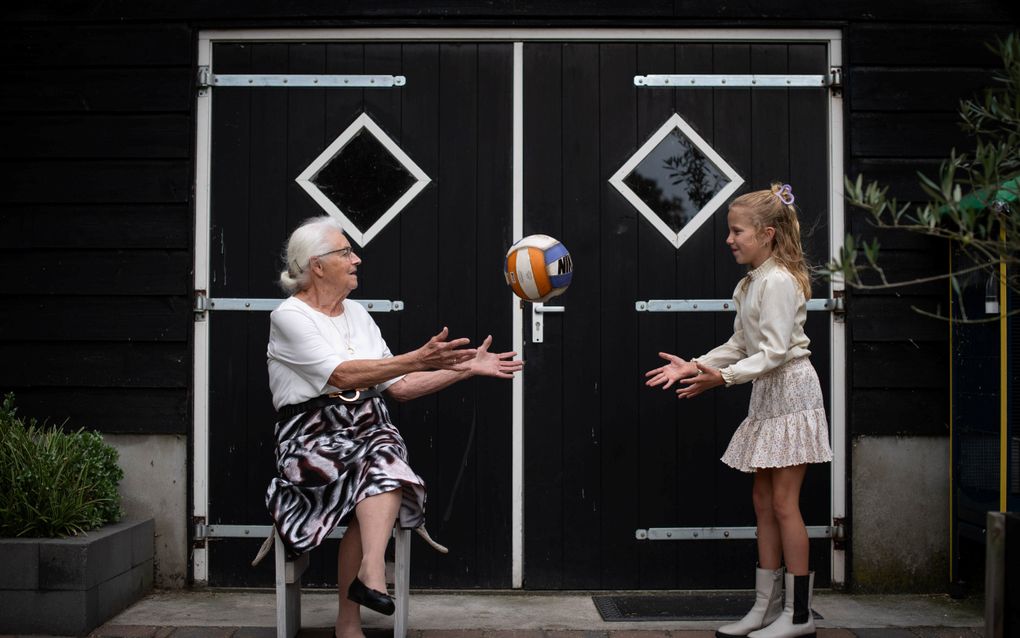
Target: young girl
x,y
785,428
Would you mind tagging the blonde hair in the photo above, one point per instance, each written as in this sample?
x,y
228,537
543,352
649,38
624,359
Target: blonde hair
x,y
769,208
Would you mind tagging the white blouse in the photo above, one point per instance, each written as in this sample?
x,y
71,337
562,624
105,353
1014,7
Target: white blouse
x,y
768,330
306,346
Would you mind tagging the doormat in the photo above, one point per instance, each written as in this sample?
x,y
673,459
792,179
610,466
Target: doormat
x,y
637,608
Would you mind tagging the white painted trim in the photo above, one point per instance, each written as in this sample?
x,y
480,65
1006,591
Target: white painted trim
x,y
200,425
706,212
517,313
526,34
362,122
837,357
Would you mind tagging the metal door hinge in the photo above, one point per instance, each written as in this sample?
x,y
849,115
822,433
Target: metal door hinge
x,y
839,305
200,531
836,80
204,80
839,538
201,305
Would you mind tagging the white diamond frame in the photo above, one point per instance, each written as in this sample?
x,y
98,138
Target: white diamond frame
x,y
706,212
365,122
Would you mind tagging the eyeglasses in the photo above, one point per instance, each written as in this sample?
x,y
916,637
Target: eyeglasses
x,y
343,252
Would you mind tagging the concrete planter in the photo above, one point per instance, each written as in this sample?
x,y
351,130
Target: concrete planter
x,y
69,586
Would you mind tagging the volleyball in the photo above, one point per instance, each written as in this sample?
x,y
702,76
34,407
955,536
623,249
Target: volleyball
x,y
537,268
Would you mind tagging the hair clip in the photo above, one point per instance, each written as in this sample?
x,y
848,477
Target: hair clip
x,y
785,194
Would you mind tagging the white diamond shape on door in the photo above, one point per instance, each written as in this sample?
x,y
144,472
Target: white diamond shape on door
x,y
676,180
363,179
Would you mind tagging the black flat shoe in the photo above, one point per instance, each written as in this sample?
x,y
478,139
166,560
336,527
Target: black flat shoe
x,y
374,600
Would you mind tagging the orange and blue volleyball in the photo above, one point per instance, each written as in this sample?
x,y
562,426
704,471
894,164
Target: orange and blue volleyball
x,y
537,268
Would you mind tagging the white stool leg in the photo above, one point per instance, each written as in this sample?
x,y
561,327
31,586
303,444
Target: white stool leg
x,y
288,591
402,579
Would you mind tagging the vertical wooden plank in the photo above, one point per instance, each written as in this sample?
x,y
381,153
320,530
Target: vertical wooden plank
x,y
230,196
545,531
453,491
493,396
618,268
310,130
733,137
582,430
657,424
810,178
419,283
380,280
694,334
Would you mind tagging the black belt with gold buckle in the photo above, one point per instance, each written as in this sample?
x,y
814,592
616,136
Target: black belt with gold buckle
x,y
347,397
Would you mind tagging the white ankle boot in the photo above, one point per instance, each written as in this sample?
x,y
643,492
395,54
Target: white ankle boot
x,y
768,603
796,619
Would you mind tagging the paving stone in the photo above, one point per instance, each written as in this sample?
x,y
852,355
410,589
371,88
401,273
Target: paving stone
x,y
203,632
261,632
949,632
125,631
514,633
886,632
575,633
451,633
834,633
640,633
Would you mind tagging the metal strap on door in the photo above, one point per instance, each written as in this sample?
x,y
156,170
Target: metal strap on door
x,y
207,79
833,81
204,304
834,305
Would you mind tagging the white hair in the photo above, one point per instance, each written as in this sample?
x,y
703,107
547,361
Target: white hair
x,y
309,239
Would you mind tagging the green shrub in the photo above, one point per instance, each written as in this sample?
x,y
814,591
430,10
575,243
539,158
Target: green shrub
x,y
54,483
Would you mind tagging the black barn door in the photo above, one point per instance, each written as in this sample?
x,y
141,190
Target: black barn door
x,y
453,119
605,456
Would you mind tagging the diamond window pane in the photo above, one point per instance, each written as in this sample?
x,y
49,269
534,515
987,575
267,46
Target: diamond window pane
x,y
676,180
363,179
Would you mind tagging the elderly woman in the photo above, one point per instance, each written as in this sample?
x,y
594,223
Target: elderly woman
x,y
339,456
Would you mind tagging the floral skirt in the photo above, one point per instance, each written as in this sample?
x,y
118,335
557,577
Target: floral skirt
x,y
328,460
785,422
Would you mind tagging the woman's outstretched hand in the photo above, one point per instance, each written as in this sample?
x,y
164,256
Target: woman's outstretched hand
x,y
706,379
670,373
440,354
495,364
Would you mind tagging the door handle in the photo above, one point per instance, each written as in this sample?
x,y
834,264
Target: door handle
x,y
537,310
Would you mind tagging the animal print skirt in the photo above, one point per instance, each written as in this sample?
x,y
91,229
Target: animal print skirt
x,y
328,460
785,422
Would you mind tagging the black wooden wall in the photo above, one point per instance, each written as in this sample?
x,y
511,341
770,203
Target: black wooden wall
x,y
96,180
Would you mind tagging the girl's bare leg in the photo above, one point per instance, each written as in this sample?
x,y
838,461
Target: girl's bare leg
x,y
786,484
770,548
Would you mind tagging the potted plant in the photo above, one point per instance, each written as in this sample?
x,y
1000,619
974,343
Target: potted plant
x,y
70,563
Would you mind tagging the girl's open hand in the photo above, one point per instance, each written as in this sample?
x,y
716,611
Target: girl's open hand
x,y
670,373
706,379
495,364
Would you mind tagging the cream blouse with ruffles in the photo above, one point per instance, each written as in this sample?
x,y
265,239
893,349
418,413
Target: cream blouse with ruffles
x,y
768,330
